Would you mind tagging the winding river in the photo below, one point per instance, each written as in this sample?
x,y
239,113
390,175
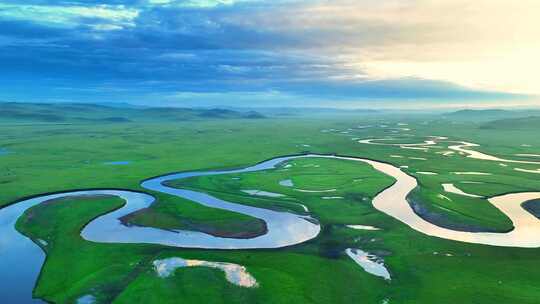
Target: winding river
x,y
21,259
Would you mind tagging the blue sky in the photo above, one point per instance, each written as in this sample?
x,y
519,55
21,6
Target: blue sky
x,y
341,53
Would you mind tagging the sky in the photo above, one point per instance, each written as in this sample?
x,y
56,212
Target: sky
x,y
339,53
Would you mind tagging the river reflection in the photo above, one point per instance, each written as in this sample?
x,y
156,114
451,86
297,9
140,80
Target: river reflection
x,y
21,259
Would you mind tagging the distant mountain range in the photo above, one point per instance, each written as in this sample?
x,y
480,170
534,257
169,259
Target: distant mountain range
x,y
119,113
526,123
488,114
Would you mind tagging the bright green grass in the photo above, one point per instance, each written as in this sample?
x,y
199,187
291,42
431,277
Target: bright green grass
x,y
53,158
172,213
75,267
314,272
354,183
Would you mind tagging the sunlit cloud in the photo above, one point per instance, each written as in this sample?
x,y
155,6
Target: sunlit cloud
x,y
482,44
199,3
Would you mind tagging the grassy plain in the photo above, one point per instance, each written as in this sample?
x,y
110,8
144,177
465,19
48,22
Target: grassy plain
x,y
51,157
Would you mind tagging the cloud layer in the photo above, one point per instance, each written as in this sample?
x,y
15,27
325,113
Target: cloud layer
x,y
260,52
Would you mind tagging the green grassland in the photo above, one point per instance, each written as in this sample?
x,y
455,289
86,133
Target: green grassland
x,y
50,157
356,183
175,213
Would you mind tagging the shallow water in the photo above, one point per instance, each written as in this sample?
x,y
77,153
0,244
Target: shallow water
x,y
528,155
369,262
286,183
263,193
315,191
464,147
363,227
381,142
87,299
21,259
234,273
471,173
426,173
118,163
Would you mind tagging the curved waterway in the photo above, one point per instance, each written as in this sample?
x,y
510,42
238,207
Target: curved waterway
x,y
21,259
459,146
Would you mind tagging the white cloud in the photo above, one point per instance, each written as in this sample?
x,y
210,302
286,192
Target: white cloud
x,y
198,3
487,44
112,16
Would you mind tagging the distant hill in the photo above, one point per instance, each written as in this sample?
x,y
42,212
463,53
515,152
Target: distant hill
x,y
487,115
304,111
488,112
81,113
530,123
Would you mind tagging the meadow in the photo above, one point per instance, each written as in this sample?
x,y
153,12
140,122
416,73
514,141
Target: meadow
x,y
53,157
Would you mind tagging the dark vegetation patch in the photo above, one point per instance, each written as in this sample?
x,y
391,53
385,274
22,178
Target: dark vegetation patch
x,y
441,219
533,207
149,217
177,214
86,113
